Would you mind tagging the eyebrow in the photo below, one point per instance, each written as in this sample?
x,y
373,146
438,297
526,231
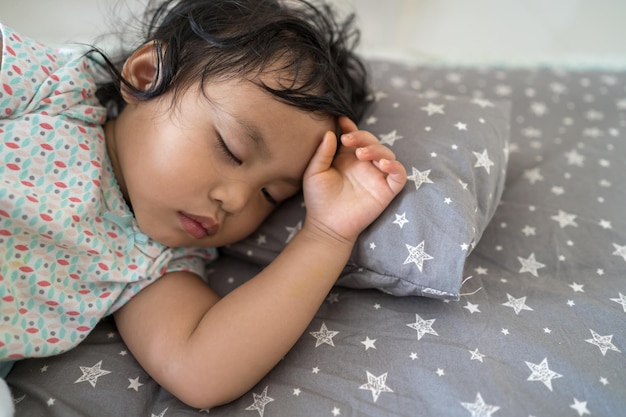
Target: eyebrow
x,y
253,133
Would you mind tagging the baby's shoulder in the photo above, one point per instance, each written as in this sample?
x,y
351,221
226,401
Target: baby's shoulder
x,y
35,78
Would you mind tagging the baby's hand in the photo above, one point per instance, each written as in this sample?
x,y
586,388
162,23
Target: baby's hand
x,y
344,194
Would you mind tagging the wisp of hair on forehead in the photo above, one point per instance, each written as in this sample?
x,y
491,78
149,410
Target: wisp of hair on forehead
x,y
297,43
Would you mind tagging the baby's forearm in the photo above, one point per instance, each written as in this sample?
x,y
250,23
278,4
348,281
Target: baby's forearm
x,y
208,352
261,320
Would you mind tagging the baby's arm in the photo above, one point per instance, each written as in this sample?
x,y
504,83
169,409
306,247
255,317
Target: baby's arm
x,y
208,351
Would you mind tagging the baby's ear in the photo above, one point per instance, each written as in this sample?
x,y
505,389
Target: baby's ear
x,y
140,69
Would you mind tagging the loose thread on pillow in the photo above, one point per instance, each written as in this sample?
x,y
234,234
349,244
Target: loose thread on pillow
x,y
469,293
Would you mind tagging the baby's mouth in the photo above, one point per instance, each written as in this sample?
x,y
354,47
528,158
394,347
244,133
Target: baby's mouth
x,y
198,227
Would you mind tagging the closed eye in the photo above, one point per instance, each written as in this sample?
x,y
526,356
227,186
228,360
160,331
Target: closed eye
x,y
226,151
269,197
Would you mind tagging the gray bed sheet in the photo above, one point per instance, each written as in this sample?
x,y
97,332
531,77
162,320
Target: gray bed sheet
x,y
539,331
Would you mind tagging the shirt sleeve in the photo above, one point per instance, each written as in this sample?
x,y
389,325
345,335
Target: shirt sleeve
x,y
35,78
194,260
182,259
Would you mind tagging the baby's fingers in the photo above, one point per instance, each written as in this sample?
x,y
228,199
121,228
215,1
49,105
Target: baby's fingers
x,y
374,153
324,155
396,174
359,138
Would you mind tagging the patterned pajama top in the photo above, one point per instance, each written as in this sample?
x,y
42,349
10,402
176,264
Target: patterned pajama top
x,y
70,249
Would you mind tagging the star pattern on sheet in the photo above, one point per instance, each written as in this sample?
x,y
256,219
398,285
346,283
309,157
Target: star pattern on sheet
x,y
530,264
432,109
390,138
484,103
620,250
479,408
620,300
419,177
379,95
369,343
565,219
376,384
292,231
580,407
542,372
476,355
472,308
134,384
91,374
463,126
517,304
161,414
422,327
533,175
324,336
575,158
260,401
602,342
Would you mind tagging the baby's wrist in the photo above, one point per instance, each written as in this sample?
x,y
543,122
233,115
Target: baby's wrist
x,y
319,232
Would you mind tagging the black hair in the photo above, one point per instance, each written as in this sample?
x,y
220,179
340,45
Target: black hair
x,y
203,40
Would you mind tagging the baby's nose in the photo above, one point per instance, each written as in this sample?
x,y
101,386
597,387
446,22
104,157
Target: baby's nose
x,y
233,196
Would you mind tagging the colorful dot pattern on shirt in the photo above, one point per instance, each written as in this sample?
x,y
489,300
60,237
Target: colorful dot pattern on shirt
x,y
70,249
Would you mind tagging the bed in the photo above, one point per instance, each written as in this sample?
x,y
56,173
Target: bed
x,y
495,285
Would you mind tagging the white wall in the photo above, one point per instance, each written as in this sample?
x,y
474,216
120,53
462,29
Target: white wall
x,y
497,31
56,21
568,32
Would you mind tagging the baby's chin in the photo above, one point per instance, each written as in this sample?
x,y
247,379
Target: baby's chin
x,y
215,241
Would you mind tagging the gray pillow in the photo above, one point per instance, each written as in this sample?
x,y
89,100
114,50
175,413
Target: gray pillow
x,y
455,153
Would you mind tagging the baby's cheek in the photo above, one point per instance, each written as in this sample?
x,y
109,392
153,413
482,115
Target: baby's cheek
x,y
244,225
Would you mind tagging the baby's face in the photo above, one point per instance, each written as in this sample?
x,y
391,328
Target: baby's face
x,y
207,170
